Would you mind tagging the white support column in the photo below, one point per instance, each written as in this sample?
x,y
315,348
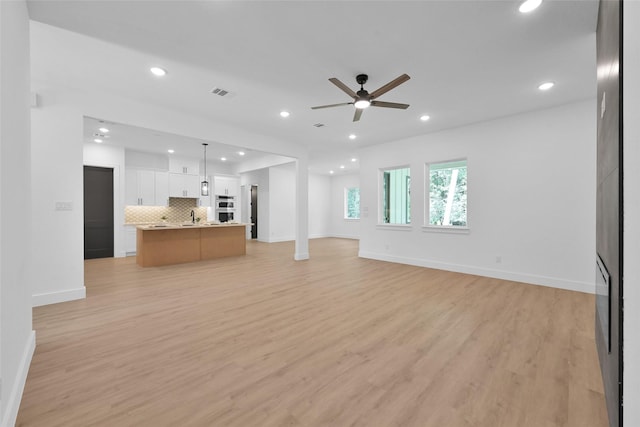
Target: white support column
x,y
302,209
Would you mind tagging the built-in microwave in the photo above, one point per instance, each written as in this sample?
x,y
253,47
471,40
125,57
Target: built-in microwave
x,y
224,204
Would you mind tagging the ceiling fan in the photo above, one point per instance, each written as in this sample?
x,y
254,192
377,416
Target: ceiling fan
x,y
363,99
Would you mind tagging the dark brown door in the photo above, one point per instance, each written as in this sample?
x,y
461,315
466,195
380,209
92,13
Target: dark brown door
x,y
98,212
254,211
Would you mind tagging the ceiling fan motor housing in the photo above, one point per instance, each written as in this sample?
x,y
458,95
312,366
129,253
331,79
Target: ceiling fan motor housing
x,y
362,79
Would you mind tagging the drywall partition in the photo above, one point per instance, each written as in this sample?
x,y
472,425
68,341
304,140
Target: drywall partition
x,y
17,339
319,206
282,203
341,227
631,236
531,199
57,201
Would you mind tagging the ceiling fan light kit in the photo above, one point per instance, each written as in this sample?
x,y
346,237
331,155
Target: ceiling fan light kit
x,y
363,99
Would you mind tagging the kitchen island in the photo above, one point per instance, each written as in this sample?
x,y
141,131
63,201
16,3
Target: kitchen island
x,y
158,245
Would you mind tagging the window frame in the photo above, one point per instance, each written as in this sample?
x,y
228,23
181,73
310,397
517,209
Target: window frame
x,y
345,204
390,225
427,226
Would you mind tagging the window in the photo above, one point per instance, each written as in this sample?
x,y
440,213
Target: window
x,y
447,184
352,203
396,201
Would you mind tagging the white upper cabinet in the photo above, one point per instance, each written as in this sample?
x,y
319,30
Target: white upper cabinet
x,y
140,187
184,185
146,187
184,165
226,186
162,188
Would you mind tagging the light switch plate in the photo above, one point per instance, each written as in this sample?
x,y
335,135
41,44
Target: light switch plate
x,y
64,206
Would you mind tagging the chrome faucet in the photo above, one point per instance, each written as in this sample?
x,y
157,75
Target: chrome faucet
x,y
193,217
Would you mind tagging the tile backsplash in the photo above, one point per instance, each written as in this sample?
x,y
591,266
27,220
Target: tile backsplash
x,y
179,210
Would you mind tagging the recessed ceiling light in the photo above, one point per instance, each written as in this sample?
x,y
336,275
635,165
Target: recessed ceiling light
x,y
546,85
331,172
424,118
157,71
241,153
104,130
352,136
529,5
341,166
354,160
284,114
170,151
98,140
224,159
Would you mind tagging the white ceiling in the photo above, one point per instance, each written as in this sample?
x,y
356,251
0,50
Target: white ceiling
x,y
469,61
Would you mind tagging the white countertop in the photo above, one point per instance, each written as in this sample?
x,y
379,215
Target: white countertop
x,y
169,226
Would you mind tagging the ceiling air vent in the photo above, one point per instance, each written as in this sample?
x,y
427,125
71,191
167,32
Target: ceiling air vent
x,y
220,92
319,125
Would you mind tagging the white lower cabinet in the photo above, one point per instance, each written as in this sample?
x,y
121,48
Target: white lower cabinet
x,y
130,240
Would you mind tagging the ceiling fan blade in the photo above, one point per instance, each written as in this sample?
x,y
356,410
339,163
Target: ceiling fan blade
x,y
357,115
332,105
389,104
343,86
393,83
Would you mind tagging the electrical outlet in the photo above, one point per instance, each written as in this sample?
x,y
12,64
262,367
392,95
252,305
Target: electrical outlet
x,y
498,259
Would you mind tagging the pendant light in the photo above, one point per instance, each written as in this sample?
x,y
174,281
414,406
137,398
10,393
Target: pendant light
x,y
204,185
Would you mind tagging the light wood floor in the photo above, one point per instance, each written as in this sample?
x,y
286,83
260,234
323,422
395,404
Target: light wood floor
x,y
263,340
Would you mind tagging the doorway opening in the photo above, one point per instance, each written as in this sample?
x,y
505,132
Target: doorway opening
x,y
98,212
254,211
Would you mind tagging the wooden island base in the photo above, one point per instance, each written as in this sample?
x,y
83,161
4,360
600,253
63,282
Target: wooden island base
x,y
156,246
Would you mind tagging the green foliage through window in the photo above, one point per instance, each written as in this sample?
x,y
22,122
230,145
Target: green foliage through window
x,y
448,193
352,203
396,200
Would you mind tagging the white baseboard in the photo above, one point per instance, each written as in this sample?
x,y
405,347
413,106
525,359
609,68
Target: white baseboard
x,y
551,282
56,297
301,257
281,239
345,236
15,396
318,236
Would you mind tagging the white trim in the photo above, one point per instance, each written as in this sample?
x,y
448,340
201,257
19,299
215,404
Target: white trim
x,y
15,396
60,296
301,257
402,227
453,229
318,236
280,239
345,236
533,279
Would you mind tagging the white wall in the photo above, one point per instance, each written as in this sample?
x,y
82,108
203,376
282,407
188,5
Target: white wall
x,y
339,226
17,340
282,203
319,206
111,157
631,236
57,175
531,199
